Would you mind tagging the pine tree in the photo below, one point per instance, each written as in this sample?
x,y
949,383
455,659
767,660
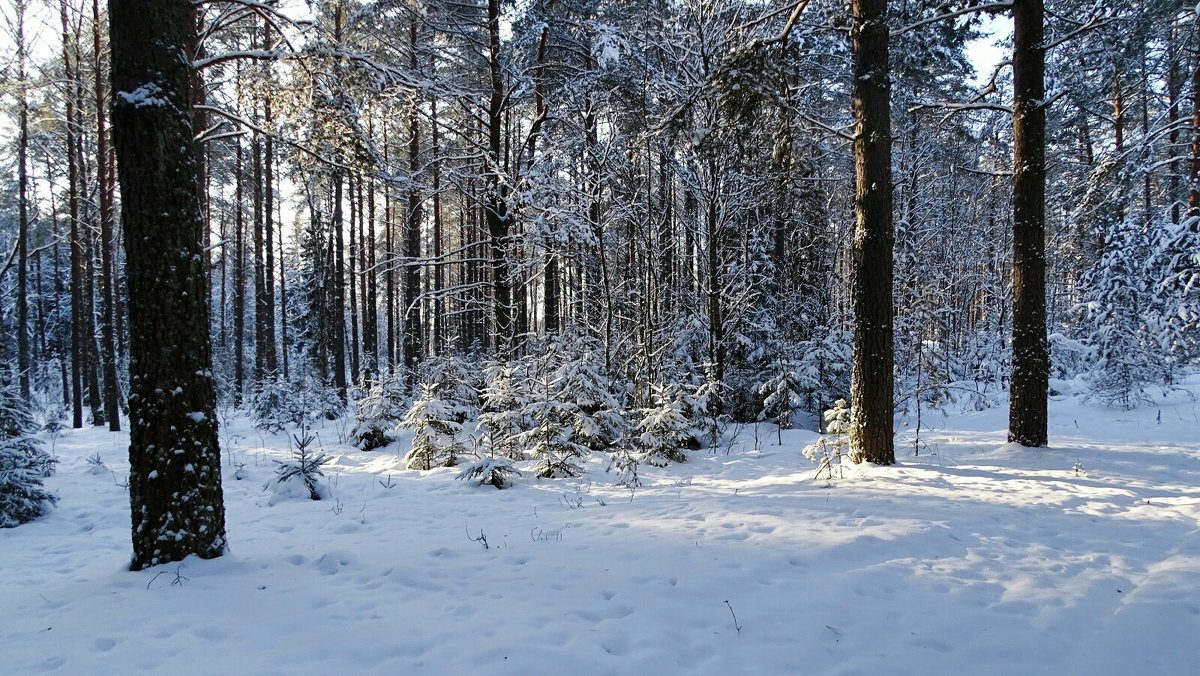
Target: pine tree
x,y
436,431
1122,350
23,463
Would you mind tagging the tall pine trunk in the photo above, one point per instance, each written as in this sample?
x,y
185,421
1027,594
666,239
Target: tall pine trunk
x,y
1030,356
871,379
104,188
23,361
174,478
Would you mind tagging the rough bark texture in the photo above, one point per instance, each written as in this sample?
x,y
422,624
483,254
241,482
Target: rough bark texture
x,y
1031,362
175,471
871,436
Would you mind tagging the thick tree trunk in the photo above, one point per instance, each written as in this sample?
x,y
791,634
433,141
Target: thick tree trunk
x,y
1030,356
174,481
871,380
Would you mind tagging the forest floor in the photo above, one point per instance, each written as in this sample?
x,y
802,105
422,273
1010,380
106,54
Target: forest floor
x,y
972,556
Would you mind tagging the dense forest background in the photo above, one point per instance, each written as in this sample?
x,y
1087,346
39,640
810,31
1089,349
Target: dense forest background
x,y
533,210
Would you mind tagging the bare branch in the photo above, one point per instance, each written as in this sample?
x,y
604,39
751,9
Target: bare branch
x,y
990,7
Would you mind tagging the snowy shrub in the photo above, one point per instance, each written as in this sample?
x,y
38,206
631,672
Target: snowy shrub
x,y
436,428
700,408
273,405
624,463
665,431
1178,291
277,403
551,439
1114,319
782,393
833,448
303,468
23,464
456,381
823,369
489,472
378,413
581,383
506,394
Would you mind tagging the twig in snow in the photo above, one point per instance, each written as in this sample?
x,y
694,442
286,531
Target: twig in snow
x,y
735,622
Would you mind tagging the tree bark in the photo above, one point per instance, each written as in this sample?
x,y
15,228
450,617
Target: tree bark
x,y
174,481
76,252
496,207
104,188
871,380
1030,356
23,361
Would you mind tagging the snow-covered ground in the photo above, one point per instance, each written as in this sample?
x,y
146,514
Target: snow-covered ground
x,y
971,557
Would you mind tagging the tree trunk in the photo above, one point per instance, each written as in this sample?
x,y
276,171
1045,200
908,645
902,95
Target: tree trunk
x,y
104,188
439,270
23,362
412,246
1030,358
76,253
174,481
496,208
338,304
871,380
268,188
1193,184
239,275
351,274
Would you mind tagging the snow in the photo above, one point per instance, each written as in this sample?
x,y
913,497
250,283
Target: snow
x,y
974,557
148,95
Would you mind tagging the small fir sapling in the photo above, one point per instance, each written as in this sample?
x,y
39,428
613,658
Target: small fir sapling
x,y
1113,314
702,408
304,465
436,431
782,393
823,369
550,440
497,472
665,431
505,397
624,464
273,405
23,464
378,414
455,380
595,413
277,403
833,448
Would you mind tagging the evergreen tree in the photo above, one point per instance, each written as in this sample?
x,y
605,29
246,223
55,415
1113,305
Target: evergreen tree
x,y
1122,347
23,463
